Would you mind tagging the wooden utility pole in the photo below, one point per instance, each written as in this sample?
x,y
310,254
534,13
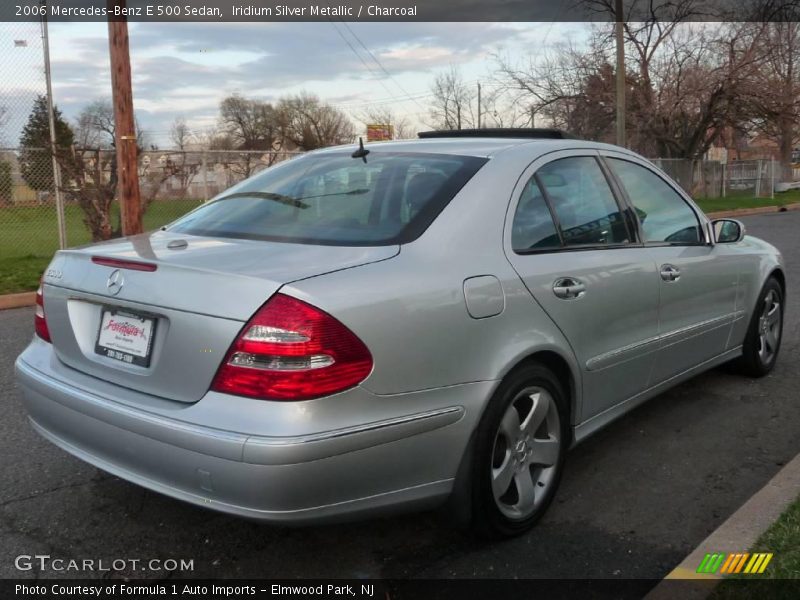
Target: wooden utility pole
x,y
124,124
618,30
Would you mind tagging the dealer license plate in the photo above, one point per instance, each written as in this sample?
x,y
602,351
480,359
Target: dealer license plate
x,y
126,337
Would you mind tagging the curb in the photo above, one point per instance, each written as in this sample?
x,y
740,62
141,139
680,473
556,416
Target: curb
x,y
17,300
738,533
760,210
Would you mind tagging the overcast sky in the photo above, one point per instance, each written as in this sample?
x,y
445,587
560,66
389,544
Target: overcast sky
x,y
185,69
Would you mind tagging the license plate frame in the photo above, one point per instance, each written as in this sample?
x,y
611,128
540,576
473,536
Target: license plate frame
x,y
124,352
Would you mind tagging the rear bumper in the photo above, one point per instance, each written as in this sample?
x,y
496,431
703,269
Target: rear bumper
x,y
360,469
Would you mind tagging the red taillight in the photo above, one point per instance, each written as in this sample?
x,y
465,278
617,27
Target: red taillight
x,y
39,320
290,350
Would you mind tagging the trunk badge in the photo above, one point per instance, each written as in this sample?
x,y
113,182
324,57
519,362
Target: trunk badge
x,y
115,282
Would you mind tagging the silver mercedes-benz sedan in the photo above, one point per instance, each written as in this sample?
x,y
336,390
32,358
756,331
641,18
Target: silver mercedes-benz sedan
x,y
401,325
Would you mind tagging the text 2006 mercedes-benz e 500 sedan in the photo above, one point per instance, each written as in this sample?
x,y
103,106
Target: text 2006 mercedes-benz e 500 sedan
x,y
364,329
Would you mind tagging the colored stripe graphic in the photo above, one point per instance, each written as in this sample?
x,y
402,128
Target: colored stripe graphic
x,y
740,564
711,562
732,562
737,562
728,563
763,565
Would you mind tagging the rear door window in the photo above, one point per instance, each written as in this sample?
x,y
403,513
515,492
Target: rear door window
x,y
336,199
533,227
585,208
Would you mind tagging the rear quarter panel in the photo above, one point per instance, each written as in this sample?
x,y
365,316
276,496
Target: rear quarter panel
x,y
411,311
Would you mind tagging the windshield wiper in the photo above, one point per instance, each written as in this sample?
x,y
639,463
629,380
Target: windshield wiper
x,y
291,200
355,192
283,199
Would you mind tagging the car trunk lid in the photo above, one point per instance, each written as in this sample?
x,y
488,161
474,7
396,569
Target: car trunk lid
x,y
191,294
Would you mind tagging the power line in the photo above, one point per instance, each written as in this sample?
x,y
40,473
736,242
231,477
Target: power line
x,y
380,65
364,62
417,95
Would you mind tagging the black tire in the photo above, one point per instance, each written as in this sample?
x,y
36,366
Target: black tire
x,y
753,361
488,521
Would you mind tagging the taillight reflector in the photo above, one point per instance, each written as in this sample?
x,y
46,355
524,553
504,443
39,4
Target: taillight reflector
x,y
39,320
291,350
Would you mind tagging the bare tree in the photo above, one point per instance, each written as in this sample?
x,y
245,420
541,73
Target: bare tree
x,y
95,127
251,124
179,133
499,108
217,139
554,86
89,169
308,123
454,102
686,84
700,84
773,96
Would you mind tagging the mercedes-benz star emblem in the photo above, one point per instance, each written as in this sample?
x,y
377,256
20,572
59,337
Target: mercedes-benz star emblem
x,y
115,282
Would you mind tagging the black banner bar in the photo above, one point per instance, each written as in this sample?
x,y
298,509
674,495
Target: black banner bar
x,y
399,10
388,589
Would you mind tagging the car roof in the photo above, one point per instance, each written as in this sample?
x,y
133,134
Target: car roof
x,y
484,147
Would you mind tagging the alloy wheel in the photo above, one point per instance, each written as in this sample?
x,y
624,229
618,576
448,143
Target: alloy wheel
x,y
526,452
769,328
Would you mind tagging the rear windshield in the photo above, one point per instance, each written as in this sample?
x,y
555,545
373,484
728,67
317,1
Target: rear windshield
x,y
335,199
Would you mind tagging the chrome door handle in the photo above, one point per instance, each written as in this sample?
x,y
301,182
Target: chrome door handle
x,y
670,273
569,288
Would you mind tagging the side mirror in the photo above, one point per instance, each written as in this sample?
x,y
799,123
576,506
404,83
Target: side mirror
x,y
728,231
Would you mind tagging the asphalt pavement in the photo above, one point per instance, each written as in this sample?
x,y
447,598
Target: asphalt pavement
x,y
635,498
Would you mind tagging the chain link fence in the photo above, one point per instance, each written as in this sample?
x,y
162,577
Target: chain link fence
x,y
171,184
714,179
175,182
28,221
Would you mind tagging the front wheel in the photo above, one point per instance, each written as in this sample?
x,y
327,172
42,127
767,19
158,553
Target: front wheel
x,y
521,444
763,339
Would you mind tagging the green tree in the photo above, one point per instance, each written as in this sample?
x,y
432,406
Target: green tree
x,y
35,161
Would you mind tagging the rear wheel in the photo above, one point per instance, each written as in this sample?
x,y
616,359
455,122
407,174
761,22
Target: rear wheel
x,y
763,339
520,453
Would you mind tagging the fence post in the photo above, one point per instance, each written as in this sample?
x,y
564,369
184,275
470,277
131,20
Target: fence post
x,y
205,177
772,176
758,179
62,228
724,173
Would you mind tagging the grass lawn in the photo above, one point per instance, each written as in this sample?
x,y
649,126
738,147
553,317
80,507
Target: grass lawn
x,y
29,237
783,540
730,203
